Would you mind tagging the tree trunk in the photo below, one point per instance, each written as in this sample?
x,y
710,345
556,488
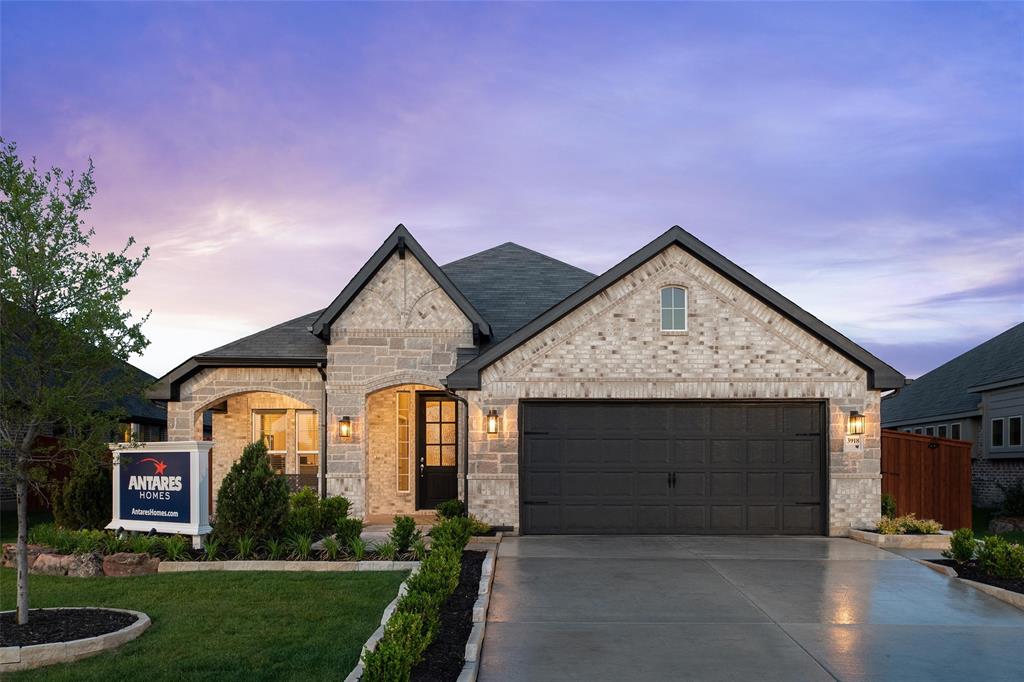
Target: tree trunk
x,y
21,486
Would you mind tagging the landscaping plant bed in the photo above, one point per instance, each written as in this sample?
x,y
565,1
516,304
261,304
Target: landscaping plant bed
x,y
47,626
972,571
443,660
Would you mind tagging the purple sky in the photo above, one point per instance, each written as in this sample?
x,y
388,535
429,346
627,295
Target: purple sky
x,y
866,160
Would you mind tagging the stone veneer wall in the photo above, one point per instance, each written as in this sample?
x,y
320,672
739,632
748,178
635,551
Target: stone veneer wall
x,y
988,474
401,329
735,348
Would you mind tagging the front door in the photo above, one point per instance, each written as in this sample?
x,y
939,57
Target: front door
x,y
437,449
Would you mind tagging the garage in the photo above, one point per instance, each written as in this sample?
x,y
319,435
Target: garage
x,y
672,467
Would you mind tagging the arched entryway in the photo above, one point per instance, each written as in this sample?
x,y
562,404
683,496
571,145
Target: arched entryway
x,y
289,427
412,449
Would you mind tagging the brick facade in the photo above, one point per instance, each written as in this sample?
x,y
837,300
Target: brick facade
x,y
402,329
988,474
735,348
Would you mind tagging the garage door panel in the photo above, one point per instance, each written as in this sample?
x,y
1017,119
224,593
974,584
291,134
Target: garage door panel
x,y
764,484
727,484
689,453
672,467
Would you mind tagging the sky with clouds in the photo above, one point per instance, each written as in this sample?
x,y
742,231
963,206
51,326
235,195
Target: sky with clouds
x,y
866,160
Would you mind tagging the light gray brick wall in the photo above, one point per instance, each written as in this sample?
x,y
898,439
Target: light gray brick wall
x,y
401,329
735,348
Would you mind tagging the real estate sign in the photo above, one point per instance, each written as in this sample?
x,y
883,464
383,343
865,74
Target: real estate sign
x,y
162,487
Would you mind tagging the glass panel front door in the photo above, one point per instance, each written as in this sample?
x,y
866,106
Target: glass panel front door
x,y
438,448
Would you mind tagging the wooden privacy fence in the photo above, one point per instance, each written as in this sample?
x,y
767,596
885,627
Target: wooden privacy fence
x,y
930,477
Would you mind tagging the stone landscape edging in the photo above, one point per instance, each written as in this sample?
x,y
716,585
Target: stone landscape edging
x,y
14,658
919,541
267,565
1009,596
389,610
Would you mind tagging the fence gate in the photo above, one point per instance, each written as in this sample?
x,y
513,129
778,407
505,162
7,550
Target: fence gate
x,y
930,477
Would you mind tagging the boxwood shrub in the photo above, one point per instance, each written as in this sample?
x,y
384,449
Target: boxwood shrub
x,y
414,625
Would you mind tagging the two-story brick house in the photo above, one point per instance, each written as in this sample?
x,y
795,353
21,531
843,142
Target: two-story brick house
x,y
675,393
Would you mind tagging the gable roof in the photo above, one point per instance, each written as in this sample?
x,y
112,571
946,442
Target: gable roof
x,y
880,375
952,389
400,240
511,284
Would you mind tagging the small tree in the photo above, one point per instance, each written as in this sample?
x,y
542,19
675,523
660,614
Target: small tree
x,y
64,335
253,500
84,499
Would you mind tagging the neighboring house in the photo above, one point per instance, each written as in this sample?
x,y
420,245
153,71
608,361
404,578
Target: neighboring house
x,y
675,393
978,397
145,420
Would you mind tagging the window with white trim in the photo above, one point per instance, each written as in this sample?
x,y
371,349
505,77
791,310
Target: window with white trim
x,y
307,442
404,441
270,426
942,431
929,430
673,309
954,431
918,430
1013,432
998,437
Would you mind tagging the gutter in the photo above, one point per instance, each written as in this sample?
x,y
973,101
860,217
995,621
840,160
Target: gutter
x,y
465,455
323,433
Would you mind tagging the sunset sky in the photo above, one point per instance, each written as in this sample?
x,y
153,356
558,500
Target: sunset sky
x,y
865,160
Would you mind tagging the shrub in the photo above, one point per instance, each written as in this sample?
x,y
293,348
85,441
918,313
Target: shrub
x,y
419,549
1013,499
331,548
275,549
246,546
961,546
211,550
84,499
333,512
397,651
477,527
450,509
175,547
143,544
1002,558
404,533
303,513
357,546
301,545
348,530
455,532
888,505
253,500
907,525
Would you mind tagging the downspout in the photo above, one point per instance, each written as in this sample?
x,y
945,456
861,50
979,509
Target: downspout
x,y
323,433
465,452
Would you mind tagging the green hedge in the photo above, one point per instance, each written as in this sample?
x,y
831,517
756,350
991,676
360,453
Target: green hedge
x,y
414,624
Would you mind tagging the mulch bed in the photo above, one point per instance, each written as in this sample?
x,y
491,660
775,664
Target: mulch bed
x,y
443,659
61,625
971,571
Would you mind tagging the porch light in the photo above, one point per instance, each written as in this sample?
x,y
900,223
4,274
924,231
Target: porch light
x,y
492,421
855,424
345,427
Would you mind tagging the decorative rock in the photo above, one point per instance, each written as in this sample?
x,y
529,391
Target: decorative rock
x,y
1006,524
85,565
51,564
10,552
126,564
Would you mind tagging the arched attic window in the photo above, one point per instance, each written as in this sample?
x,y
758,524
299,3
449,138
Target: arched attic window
x,y
673,309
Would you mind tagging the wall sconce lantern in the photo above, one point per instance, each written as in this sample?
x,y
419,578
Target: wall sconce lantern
x,y
855,424
345,427
492,421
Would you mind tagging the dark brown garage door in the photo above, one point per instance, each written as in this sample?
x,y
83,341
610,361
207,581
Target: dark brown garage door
x,y
672,467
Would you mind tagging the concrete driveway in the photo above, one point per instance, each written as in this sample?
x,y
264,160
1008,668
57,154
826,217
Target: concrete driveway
x,y
718,608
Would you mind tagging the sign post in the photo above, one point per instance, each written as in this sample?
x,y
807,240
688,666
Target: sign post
x,y
162,487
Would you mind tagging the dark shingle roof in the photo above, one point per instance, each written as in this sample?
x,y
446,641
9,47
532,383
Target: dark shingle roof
x,y
511,284
944,390
291,339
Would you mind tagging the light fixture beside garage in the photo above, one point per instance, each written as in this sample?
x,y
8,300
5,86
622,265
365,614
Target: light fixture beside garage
x,y
345,427
492,421
855,424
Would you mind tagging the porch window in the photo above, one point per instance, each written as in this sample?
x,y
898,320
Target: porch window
x,y
404,441
270,427
307,443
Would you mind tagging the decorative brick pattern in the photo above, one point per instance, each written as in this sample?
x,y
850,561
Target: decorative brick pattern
x,y
736,347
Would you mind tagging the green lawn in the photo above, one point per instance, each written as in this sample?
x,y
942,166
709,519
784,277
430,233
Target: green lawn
x,y
980,518
223,626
